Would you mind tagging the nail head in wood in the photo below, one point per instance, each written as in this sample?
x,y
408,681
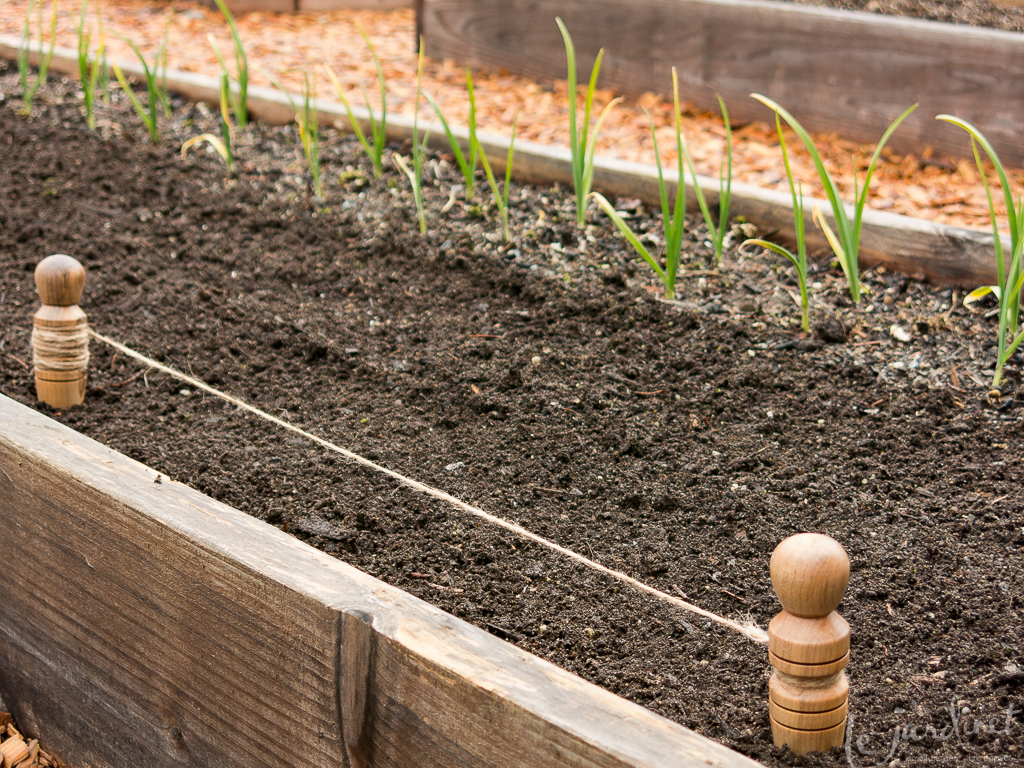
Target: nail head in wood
x,y
809,644
60,334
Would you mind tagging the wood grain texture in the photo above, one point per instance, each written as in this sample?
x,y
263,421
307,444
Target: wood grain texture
x,y
837,71
915,247
355,5
60,280
143,623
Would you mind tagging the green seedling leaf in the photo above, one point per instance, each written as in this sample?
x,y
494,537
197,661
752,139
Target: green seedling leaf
x,y
473,143
378,128
357,129
308,122
1010,275
588,165
23,69
160,64
29,91
717,229
798,264
92,85
415,174
214,141
847,232
240,103
581,141
833,241
984,143
633,240
460,158
88,72
500,200
775,247
979,293
148,116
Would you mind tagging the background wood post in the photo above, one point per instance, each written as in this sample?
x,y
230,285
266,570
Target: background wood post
x,y
60,344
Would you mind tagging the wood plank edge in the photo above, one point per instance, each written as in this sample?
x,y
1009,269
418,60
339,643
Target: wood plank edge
x,y
916,247
625,732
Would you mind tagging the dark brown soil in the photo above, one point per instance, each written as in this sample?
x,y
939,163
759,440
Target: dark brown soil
x,y
546,383
978,13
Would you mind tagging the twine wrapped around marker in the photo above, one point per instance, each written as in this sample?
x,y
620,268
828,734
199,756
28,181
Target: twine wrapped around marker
x,y
60,333
61,349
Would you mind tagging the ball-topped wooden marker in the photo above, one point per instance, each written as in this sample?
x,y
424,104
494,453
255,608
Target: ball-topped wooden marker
x,y
809,644
60,333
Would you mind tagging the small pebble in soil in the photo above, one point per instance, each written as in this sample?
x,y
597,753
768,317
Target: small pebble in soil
x,y
899,333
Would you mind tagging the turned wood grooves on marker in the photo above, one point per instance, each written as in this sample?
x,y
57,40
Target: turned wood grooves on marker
x,y
145,624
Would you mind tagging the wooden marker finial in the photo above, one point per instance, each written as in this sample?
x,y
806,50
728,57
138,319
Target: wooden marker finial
x,y
809,644
60,334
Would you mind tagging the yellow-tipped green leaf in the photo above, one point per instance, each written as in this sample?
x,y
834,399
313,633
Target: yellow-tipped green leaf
x,y
213,141
612,214
979,293
833,241
780,250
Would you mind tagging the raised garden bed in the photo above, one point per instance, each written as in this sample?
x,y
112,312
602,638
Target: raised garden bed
x,y
919,248
147,624
545,382
840,72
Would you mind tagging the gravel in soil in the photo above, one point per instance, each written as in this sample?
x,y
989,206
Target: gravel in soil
x,y
947,190
544,381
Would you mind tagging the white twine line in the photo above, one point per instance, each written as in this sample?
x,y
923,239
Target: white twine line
x,y
61,349
747,629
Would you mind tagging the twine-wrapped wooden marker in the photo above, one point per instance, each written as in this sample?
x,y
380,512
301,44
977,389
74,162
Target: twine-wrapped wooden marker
x,y
809,644
60,333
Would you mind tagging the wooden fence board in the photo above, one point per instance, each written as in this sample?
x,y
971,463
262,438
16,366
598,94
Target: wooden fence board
x,y
837,71
915,247
143,623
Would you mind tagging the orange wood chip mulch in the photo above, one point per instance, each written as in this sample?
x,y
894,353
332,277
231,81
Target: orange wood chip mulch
x,y
16,751
945,190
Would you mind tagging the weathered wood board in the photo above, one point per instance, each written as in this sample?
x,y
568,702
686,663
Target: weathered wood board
x,y
845,72
915,247
355,5
295,6
145,624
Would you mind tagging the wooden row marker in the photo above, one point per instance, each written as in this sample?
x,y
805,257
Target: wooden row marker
x,y
60,334
808,642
